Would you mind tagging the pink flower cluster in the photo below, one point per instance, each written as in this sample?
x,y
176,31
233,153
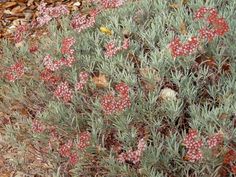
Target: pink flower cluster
x,y
14,72
219,25
55,65
83,76
47,76
21,29
67,43
63,92
111,49
84,140
47,14
193,146
219,28
133,156
106,4
111,104
180,49
65,151
215,140
111,3
81,22
38,126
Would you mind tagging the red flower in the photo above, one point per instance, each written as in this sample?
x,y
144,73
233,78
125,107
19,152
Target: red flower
x,y
183,49
108,103
201,12
65,149
67,43
73,158
83,76
37,126
21,29
111,49
133,156
47,76
122,88
111,104
15,72
84,140
230,156
215,140
112,3
64,92
193,147
81,22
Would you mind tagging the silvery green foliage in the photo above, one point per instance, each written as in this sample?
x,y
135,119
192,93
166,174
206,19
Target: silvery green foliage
x,y
152,24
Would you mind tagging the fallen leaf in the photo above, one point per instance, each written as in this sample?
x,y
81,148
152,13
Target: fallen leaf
x,y
9,4
100,81
183,28
174,5
105,30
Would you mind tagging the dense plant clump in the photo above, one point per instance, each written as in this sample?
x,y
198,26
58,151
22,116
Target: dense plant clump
x,y
123,88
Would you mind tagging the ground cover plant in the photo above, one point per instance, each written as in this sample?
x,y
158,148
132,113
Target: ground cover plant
x,y
122,88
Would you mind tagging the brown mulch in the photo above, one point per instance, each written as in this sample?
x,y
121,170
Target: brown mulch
x,y
19,12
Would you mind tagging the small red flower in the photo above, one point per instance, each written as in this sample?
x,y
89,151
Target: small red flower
x,y
73,158
63,92
19,34
133,156
112,3
215,140
67,43
193,146
47,76
111,49
111,104
183,49
126,44
81,22
84,140
14,72
65,149
37,126
83,76
122,88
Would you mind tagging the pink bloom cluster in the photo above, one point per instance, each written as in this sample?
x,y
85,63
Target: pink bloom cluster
x,y
47,14
180,49
111,49
65,151
67,43
111,3
63,92
21,29
111,104
84,140
81,22
55,65
133,156
193,147
219,25
215,140
37,126
14,72
219,28
47,76
83,76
